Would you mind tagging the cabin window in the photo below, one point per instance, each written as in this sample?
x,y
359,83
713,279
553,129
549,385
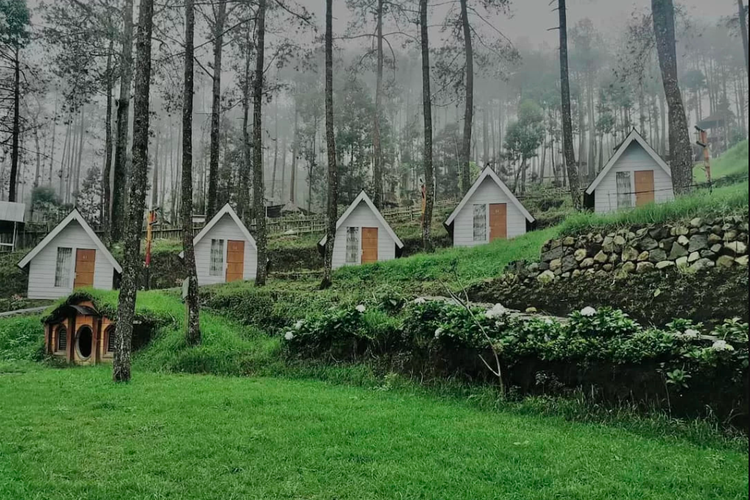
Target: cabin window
x,y
217,258
624,190
110,331
480,222
62,267
62,338
352,245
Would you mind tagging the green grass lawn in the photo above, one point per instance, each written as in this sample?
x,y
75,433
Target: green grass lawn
x,y
73,434
733,162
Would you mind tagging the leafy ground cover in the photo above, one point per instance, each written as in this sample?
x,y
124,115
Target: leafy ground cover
x,y
73,434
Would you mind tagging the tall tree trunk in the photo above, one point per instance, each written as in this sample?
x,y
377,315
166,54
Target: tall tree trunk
x,y
377,169
331,212
79,161
680,152
429,176
275,149
283,170
469,110
213,168
570,159
66,148
155,178
138,185
15,153
243,201
123,117
106,168
192,324
485,139
742,14
52,149
258,186
293,179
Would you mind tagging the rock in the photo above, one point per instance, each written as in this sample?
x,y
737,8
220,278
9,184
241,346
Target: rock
x,y
608,246
628,267
716,248
641,232
677,251
533,267
647,243
730,235
681,262
742,261
644,267
666,243
600,273
607,267
664,264
546,277
697,243
701,264
658,232
682,240
598,238
693,230
657,255
697,222
619,240
693,257
590,271
713,238
555,264
614,258
643,256
716,229
708,254
681,231
588,262
736,248
552,254
530,310
580,254
576,273
725,261
565,275
569,241
601,257
629,253
554,244
569,263
543,266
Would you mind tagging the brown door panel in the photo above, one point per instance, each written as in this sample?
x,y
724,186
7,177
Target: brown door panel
x,y
369,244
235,260
85,265
644,187
498,221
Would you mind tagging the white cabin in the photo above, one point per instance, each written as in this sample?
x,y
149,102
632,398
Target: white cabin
x,y
363,236
487,212
635,176
225,250
71,256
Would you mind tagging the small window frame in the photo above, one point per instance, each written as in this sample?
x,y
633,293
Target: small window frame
x,y
216,269
353,254
65,273
479,231
64,337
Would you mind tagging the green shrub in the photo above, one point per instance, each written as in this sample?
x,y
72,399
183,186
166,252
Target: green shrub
x,y
21,338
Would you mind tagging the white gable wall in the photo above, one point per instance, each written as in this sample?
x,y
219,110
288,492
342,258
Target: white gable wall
x,y
632,159
361,217
488,192
224,229
42,266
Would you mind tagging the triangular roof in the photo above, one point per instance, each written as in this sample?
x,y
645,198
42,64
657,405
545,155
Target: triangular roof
x,y
488,172
75,215
633,136
363,197
226,209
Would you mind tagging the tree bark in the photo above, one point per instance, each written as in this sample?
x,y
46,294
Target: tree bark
x,y
258,185
138,186
192,325
243,200
275,149
680,152
569,154
15,153
331,212
293,177
429,182
743,31
106,169
123,111
469,109
213,166
377,169
79,161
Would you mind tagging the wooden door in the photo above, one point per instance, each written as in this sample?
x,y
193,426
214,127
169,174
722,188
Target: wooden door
x,y
644,187
235,260
85,263
498,221
369,244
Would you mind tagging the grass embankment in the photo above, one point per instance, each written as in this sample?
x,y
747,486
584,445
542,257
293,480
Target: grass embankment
x,y
74,434
734,162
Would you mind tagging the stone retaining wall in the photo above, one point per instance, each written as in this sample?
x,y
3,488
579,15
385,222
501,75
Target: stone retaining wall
x,y
690,246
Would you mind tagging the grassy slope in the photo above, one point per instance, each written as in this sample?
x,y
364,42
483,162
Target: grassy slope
x,y
72,434
733,162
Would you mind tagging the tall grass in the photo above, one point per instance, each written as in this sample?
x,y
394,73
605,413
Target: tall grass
x,y
732,162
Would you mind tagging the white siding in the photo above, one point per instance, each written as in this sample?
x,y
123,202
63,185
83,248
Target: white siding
x,y
632,159
361,217
42,266
224,229
487,192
